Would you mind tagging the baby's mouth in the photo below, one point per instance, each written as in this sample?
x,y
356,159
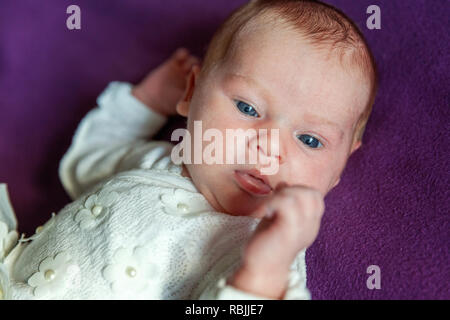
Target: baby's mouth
x,y
252,182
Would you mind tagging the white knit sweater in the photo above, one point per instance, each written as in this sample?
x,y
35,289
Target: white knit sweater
x,y
137,228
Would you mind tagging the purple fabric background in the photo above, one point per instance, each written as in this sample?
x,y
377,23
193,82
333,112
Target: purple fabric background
x,y
391,207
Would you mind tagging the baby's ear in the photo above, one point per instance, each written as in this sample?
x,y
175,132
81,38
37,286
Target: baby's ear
x,y
355,146
183,104
337,182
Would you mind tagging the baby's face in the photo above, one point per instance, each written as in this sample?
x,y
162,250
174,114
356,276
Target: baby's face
x,y
286,84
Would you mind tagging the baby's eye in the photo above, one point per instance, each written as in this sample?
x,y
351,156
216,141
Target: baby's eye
x,y
310,141
246,108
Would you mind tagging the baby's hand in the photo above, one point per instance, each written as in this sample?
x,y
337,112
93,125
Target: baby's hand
x,y
294,225
163,87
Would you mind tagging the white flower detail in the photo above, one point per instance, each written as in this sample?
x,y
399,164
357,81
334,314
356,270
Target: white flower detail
x,y
179,202
7,240
53,275
96,207
131,271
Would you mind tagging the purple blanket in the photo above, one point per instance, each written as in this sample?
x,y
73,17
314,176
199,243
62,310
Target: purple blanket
x,y
391,208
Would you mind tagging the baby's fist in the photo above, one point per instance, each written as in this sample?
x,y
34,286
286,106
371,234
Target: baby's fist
x,y
291,224
163,87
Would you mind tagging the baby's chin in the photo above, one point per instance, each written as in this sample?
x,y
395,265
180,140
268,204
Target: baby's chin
x,y
237,202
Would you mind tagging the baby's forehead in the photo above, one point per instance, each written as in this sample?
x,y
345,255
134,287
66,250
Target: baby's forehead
x,y
271,31
281,54
275,42
259,28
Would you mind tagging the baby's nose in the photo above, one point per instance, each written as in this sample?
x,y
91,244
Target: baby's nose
x,y
280,159
276,156
268,145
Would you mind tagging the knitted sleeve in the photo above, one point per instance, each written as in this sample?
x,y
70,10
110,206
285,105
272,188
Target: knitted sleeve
x,y
112,137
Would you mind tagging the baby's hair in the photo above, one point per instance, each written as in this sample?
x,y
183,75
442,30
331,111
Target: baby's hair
x,y
324,26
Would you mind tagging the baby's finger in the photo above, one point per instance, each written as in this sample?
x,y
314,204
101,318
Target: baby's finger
x,y
190,62
272,207
181,54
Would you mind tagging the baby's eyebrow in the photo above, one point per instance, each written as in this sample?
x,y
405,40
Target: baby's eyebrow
x,y
320,121
251,81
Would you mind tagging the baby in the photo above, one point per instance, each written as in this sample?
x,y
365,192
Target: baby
x,y
144,227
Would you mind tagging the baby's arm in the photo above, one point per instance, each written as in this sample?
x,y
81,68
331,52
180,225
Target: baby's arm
x,y
105,136
114,136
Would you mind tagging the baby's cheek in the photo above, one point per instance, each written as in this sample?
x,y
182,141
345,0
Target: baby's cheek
x,y
315,174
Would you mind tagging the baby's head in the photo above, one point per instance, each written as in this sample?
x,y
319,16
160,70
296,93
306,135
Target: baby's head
x,y
298,66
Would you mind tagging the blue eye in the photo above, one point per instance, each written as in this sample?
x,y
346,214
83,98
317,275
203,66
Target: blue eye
x,y
246,108
310,141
